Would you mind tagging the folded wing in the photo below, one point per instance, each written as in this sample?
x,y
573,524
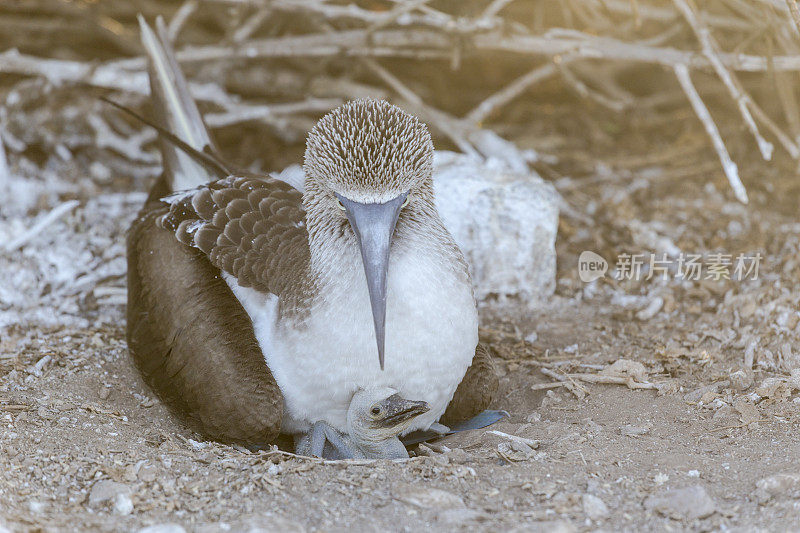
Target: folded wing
x,y
252,228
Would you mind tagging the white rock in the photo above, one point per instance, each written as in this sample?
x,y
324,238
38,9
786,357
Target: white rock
x,y
505,224
594,507
688,503
504,221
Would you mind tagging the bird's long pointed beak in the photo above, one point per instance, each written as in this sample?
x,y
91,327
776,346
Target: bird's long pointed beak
x,y
374,225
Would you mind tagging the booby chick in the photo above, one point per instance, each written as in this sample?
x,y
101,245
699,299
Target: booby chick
x,y
255,308
375,419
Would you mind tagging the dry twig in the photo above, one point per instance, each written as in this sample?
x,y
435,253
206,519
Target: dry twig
x,y
795,12
570,379
508,93
700,109
57,212
710,50
181,16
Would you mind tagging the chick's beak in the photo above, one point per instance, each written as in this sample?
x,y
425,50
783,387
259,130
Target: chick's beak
x,y
399,410
374,225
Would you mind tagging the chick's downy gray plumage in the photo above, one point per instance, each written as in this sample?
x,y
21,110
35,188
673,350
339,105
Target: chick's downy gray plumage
x,y
375,419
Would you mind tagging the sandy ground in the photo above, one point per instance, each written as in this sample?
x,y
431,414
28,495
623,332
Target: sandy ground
x,y
85,446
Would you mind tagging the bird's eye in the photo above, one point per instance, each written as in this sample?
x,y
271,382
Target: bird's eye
x,y
341,205
375,410
405,203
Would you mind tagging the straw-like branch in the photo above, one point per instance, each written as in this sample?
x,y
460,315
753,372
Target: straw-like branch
x,y
711,51
700,109
416,44
469,138
794,10
181,16
596,53
512,91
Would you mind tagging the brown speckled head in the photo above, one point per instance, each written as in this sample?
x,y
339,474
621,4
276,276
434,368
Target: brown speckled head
x,y
368,151
367,164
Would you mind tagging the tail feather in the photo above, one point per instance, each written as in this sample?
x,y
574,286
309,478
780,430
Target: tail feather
x,y
175,110
215,167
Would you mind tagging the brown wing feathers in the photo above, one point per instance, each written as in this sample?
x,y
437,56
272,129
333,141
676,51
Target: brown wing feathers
x,y
192,340
251,228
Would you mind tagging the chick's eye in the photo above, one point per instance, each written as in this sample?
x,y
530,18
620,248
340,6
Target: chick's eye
x,y
375,410
405,203
340,204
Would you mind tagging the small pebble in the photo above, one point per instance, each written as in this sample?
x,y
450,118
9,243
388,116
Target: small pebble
x,y
454,517
534,417
107,490
427,498
594,507
741,380
660,478
147,473
123,504
630,430
779,485
99,171
163,528
197,445
687,503
651,310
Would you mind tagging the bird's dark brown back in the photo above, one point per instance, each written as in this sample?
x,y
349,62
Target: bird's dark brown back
x,y
192,340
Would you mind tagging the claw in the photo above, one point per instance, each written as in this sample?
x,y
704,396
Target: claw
x,y
325,442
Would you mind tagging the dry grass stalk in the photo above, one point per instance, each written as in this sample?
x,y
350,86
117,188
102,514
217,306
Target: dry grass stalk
x,y
700,109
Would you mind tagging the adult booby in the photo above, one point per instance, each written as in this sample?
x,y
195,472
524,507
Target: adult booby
x,y
255,309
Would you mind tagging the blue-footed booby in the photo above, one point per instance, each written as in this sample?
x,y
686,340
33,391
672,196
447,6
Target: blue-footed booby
x,y
254,308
